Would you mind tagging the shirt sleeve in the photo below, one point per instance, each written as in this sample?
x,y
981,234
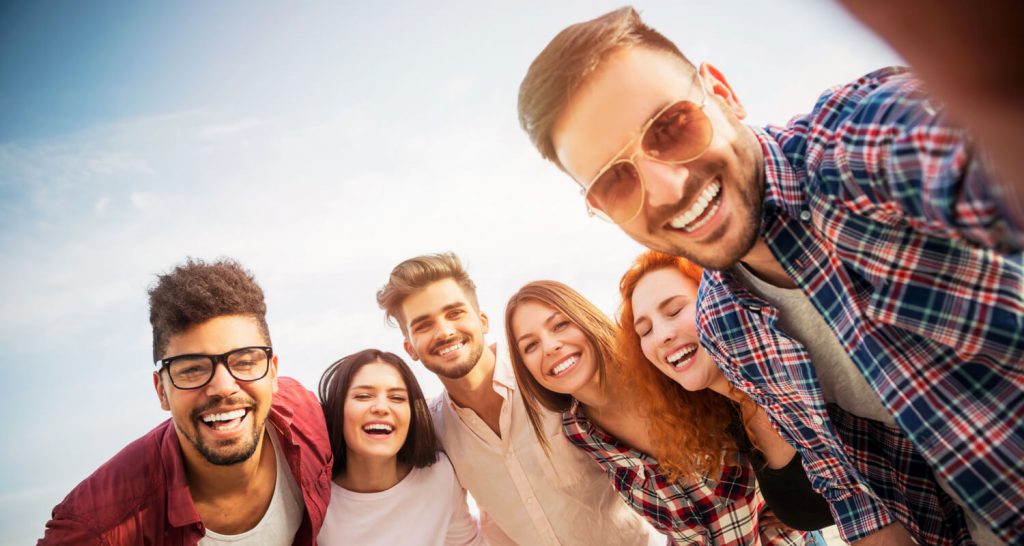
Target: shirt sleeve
x,y
463,529
899,157
69,531
856,510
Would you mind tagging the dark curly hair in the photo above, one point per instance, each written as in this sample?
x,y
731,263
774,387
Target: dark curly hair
x,y
195,292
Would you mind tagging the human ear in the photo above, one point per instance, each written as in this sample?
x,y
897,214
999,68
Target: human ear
x,y
715,84
409,349
158,385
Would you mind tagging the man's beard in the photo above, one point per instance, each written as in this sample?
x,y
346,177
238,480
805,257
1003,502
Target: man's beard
x,y
751,199
242,452
459,369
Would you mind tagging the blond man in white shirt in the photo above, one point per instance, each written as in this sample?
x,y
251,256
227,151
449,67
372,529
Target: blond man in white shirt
x,y
526,496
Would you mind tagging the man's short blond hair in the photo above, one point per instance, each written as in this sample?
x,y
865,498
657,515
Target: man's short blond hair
x,y
575,53
417,273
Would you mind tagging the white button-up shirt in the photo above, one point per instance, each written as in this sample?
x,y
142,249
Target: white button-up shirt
x,y
525,496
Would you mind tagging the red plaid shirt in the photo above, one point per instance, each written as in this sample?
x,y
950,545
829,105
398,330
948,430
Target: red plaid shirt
x,y
884,217
722,512
141,495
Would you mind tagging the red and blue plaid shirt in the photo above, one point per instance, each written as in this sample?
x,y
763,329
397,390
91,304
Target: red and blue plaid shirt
x,y
879,211
722,512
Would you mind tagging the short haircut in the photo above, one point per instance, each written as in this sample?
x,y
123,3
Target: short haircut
x,y
195,292
421,445
415,274
574,54
596,327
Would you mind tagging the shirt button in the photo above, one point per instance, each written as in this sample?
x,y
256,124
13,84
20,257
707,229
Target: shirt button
x,y
864,488
805,215
818,420
754,309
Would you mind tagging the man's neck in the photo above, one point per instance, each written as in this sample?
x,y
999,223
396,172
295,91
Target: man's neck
x,y
371,474
232,499
762,263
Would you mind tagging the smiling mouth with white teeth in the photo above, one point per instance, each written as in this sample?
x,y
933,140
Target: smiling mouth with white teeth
x,y
564,365
681,356
378,429
701,210
451,348
226,420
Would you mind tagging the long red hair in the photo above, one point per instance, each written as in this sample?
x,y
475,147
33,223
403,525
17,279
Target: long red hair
x,y
690,430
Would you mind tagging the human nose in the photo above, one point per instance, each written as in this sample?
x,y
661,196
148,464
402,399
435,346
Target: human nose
x,y
444,330
222,383
551,344
664,183
379,406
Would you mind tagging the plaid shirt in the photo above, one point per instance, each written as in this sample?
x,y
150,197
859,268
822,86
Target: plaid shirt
x,y
875,208
723,512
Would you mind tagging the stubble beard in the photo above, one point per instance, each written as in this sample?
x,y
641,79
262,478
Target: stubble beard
x,y
220,453
458,369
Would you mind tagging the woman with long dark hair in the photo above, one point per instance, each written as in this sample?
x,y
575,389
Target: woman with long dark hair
x,y
387,459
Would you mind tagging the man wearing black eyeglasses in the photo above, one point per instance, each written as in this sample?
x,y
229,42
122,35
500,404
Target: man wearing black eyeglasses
x,y
863,271
215,472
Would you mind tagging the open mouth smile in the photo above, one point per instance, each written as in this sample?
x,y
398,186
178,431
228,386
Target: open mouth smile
x,y
565,365
379,430
701,211
448,348
226,421
681,357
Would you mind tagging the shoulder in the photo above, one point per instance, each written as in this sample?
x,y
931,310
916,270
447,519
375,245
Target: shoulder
x,y
120,488
291,394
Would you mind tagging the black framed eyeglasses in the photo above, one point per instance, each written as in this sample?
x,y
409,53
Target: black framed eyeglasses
x,y
193,371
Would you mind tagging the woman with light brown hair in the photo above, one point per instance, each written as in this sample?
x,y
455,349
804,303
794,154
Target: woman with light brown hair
x,y
564,353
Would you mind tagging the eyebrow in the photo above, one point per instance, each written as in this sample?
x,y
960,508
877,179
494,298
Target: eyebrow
x,y
374,387
426,316
546,322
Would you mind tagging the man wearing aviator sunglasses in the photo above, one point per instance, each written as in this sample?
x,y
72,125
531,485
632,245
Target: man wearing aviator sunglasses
x,y
245,457
863,282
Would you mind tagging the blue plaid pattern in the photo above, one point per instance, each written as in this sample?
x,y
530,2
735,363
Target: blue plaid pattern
x,y
713,512
882,214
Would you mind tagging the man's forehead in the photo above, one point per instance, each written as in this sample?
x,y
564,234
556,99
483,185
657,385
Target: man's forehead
x,y
434,298
629,87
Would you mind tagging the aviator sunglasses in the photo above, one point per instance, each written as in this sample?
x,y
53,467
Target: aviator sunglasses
x,y
677,134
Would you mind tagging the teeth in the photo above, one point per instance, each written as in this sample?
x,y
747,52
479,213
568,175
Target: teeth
x,y
679,355
697,209
378,427
237,414
447,350
564,365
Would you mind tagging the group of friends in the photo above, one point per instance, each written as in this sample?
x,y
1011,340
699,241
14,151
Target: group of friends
x,y
828,329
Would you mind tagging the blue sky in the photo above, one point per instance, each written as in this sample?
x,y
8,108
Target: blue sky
x,y
319,144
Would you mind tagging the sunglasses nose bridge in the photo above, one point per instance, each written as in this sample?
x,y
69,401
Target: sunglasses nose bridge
x,y
663,182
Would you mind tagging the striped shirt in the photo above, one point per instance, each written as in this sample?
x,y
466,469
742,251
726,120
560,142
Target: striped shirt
x,y
879,211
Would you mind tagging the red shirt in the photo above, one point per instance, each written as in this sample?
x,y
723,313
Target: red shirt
x,y
141,496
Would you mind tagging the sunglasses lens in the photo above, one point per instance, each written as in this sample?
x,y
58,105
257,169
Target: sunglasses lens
x,y
681,133
617,192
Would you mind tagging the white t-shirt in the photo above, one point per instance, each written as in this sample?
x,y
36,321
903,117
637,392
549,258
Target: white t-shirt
x,y
428,507
283,517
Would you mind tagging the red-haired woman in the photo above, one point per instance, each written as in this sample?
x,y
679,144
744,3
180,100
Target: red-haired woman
x,y
564,353
657,325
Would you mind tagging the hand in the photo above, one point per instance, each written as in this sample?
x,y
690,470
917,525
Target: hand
x,y
969,55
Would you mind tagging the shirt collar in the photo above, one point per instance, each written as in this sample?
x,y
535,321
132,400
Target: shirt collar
x,y
180,509
783,187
